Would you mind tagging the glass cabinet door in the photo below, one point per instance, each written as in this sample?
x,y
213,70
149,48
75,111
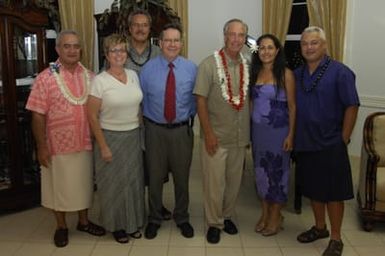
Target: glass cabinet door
x,y
26,69
22,56
5,180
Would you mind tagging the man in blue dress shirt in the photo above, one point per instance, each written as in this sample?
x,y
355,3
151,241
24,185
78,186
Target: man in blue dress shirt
x,y
168,141
327,106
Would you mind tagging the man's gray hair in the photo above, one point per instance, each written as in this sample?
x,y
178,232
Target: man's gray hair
x,y
65,32
316,29
139,12
227,24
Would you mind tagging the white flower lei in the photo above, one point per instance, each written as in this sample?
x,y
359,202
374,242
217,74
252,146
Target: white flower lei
x,y
67,94
223,80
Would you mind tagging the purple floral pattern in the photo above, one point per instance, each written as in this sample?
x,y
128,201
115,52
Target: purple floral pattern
x,y
269,129
278,116
272,166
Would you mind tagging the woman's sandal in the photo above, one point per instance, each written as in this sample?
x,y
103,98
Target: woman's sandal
x,y
275,230
312,234
120,236
136,235
91,228
259,227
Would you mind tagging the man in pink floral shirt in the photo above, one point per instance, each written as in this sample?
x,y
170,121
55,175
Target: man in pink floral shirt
x,y
60,127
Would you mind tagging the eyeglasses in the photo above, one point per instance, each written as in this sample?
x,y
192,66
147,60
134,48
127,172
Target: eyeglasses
x,y
169,41
117,50
140,25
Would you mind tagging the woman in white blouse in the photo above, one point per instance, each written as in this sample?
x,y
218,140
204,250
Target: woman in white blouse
x,y
113,113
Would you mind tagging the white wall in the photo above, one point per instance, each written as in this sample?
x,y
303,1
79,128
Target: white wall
x,y
365,54
206,20
101,5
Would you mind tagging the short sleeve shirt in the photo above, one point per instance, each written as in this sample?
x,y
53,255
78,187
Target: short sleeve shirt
x,y
120,105
231,127
320,111
67,128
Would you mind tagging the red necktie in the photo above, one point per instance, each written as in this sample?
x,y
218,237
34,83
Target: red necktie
x,y
169,96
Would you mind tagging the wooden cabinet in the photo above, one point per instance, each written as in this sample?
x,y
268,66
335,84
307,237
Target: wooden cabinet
x,y
22,56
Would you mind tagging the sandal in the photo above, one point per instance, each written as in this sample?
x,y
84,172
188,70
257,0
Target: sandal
x,y
312,234
91,228
259,227
334,248
136,235
268,231
120,236
61,237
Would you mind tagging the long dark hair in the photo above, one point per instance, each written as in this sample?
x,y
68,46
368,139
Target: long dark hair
x,y
279,64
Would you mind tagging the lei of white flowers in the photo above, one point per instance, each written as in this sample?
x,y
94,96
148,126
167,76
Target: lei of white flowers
x,y
224,83
67,94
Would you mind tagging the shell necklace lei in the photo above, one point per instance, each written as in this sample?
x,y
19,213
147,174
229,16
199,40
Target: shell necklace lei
x,y
66,92
236,101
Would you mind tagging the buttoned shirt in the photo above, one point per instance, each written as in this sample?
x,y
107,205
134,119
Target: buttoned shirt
x,y
153,77
67,129
320,112
231,127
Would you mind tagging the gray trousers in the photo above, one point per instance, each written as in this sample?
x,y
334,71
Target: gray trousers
x,y
168,149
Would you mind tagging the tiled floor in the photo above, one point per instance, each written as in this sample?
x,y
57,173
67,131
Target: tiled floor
x,y
30,232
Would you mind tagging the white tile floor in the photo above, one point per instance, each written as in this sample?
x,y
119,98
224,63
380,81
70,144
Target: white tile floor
x,y
30,232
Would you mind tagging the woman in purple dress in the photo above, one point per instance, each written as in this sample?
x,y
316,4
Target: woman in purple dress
x,y
273,118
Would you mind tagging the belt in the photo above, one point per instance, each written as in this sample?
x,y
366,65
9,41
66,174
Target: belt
x,y
168,125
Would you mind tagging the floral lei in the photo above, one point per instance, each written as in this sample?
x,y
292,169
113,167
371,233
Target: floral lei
x,y
67,94
237,101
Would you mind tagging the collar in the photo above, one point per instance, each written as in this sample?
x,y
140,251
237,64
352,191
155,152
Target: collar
x,y
133,51
165,62
62,68
230,60
322,62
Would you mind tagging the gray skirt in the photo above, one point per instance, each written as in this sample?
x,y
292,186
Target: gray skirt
x,y
120,183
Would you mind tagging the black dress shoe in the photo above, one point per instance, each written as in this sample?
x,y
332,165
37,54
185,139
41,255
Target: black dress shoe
x,y
186,229
230,227
151,230
213,235
166,214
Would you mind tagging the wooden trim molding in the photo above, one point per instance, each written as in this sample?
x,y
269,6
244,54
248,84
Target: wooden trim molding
x,y
372,101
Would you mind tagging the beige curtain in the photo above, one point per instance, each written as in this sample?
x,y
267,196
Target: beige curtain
x,y
181,8
276,17
331,16
79,15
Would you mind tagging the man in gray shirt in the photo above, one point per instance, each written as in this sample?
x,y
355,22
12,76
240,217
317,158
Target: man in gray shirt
x,y
140,51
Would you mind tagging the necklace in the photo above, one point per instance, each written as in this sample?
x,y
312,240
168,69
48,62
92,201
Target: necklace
x,y
147,58
66,92
120,77
236,101
315,82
